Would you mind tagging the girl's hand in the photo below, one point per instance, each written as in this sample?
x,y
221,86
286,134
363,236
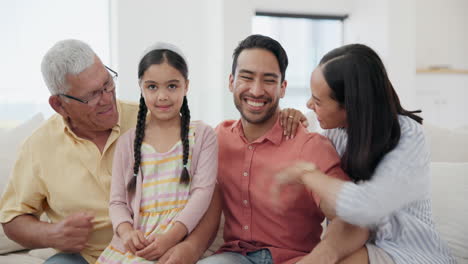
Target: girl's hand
x,y
159,244
289,176
290,119
134,240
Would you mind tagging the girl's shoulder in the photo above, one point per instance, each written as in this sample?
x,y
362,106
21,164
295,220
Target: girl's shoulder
x,y
127,137
200,127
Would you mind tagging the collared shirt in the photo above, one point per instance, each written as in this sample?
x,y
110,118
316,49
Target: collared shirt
x,y
290,228
60,173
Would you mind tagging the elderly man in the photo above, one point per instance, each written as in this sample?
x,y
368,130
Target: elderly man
x,y
64,167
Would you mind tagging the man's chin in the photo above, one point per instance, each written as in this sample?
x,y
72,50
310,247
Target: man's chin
x,y
108,123
255,118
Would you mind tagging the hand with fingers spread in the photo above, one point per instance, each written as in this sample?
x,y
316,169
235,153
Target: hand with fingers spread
x,y
132,239
290,119
72,233
290,176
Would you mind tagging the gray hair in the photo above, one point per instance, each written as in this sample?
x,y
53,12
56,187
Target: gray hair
x,y
69,56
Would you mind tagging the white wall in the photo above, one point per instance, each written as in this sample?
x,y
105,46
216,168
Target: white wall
x,y
442,34
416,34
331,7
196,29
387,26
28,30
442,39
404,33
207,31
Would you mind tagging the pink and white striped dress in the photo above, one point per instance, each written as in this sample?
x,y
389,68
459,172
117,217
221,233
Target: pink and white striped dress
x,y
163,197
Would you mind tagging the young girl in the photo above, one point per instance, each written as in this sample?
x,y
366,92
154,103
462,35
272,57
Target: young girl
x,y
384,151
164,171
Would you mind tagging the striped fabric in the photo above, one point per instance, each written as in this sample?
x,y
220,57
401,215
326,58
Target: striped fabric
x,y
395,204
162,196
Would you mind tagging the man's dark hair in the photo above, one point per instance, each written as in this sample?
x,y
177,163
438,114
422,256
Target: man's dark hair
x,y
266,43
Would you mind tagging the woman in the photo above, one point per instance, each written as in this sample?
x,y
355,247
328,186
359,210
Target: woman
x,y
383,149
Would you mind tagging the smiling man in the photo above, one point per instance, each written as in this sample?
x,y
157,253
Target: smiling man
x,y
251,150
64,167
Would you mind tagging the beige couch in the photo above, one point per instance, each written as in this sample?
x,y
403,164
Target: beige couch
x,y
449,181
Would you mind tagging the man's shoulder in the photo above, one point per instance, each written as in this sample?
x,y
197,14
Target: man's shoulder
x,y
315,146
306,137
201,128
225,126
48,132
128,105
128,108
128,114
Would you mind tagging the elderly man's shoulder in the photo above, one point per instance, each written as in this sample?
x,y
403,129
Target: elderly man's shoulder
x,y
128,111
49,130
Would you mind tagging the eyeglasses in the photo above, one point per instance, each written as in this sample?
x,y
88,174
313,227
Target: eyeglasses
x,y
96,96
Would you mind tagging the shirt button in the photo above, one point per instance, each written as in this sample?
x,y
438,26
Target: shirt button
x,y
245,174
246,227
250,147
246,202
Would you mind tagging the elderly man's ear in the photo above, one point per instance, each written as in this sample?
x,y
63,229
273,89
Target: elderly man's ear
x,y
56,104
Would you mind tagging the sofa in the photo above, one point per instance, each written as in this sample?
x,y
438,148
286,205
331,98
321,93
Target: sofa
x,y
449,172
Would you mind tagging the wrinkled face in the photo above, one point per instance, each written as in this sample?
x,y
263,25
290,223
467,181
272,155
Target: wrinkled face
x,y
256,85
86,117
163,88
329,112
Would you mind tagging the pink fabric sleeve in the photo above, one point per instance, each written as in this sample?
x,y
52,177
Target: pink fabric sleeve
x,y
203,176
118,208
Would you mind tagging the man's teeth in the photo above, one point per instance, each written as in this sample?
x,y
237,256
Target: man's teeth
x,y
256,104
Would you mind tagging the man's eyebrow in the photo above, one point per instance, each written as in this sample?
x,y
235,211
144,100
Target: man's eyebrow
x,y
270,74
246,71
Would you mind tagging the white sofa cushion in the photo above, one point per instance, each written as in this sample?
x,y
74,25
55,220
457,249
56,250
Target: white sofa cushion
x,y
6,245
20,258
10,140
447,145
450,206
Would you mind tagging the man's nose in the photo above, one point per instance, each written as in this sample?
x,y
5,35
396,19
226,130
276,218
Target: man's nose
x,y
257,88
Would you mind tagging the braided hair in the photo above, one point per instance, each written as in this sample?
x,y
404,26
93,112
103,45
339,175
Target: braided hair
x,y
139,135
160,56
184,131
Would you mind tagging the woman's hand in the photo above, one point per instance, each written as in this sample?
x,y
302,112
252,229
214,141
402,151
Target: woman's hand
x,y
290,119
290,176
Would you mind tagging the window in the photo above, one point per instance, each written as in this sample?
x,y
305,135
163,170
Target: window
x,y
29,28
306,39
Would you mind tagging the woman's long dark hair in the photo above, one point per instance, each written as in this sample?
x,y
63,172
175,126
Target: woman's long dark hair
x,y
160,56
360,84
